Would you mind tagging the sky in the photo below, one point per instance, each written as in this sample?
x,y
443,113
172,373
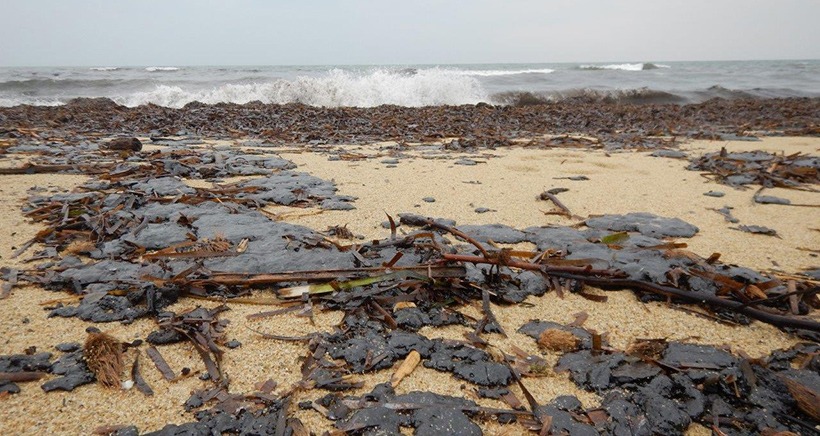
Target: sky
x,y
324,32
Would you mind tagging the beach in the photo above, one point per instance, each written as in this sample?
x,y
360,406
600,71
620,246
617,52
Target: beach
x,y
475,185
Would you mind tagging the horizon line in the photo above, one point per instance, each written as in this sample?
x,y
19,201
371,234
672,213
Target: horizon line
x,y
179,65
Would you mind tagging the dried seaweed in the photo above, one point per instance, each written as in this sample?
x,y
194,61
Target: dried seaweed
x,y
662,386
759,168
103,355
146,239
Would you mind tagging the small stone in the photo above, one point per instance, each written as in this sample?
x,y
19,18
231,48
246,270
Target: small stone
x,y
770,199
429,199
233,343
68,347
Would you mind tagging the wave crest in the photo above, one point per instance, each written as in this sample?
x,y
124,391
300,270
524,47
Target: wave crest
x,y
491,73
161,69
625,96
339,88
624,67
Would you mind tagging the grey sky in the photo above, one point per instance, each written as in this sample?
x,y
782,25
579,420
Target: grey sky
x,y
258,32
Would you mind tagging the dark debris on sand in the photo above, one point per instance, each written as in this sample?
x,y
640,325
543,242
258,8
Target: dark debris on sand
x,y
136,238
479,125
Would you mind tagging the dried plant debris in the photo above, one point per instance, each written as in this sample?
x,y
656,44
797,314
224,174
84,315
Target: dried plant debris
x,y
123,289
104,357
70,368
201,327
266,418
726,211
663,387
759,168
382,411
22,367
136,239
645,224
758,230
674,154
475,126
73,372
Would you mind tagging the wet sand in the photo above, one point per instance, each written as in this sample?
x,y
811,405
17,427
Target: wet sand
x,y
509,181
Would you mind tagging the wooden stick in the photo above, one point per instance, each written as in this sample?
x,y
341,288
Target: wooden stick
x,y
595,278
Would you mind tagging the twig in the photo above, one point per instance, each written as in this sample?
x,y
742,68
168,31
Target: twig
x,y
547,269
595,278
160,363
233,279
456,232
564,209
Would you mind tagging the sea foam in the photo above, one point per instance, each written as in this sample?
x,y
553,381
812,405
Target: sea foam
x,y
624,67
427,87
160,69
490,73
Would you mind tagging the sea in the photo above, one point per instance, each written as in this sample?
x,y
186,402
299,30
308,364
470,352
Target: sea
x,y
412,85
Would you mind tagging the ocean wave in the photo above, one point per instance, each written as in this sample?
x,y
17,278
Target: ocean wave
x,y
429,87
17,101
717,91
32,86
626,96
161,69
104,68
490,73
624,67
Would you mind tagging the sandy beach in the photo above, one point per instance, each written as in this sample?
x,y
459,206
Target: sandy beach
x,y
386,179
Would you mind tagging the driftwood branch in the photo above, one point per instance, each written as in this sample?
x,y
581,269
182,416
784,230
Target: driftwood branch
x,y
599,278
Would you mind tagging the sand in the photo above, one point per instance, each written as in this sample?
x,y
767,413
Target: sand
x,y
507,181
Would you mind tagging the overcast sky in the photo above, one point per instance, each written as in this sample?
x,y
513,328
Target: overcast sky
x,y
272,32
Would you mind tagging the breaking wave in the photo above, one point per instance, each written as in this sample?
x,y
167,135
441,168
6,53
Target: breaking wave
x,y
626,96
429,87
636,96
399,85
34,86
624,67
16,101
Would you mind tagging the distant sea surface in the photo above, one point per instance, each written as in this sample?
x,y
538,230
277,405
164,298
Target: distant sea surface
x,y
413,85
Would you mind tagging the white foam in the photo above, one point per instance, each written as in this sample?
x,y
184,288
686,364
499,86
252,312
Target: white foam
x,y
15,101
155,69
428,87
625,67
490,73
104,68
